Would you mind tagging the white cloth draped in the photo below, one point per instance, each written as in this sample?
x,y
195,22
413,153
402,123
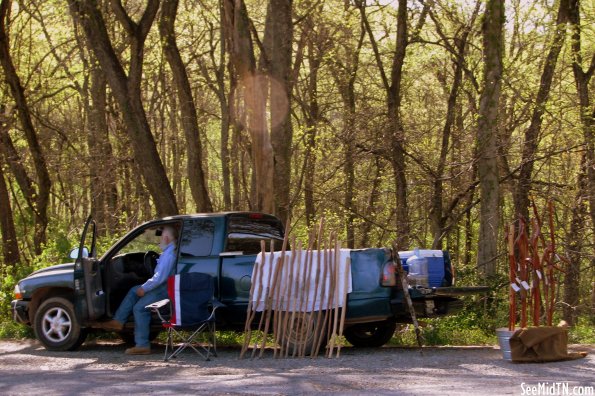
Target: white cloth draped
x,y
305,281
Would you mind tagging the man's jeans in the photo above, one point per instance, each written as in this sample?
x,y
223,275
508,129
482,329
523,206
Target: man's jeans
x,y
133,304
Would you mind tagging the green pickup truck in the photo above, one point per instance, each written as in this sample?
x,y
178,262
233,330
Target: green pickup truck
x,y
62,302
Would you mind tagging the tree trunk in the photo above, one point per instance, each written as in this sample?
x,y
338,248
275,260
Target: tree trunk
x,y
487,138
395,134
438,218
587,116
575,246
196,174
278,40
312,120
104,194
252,87
38,199
126,89
531,139
10,246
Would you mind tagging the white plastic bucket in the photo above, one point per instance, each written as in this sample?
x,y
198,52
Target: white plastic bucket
x,y
504,335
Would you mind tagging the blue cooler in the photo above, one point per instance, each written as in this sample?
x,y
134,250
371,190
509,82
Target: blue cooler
x,y
435,264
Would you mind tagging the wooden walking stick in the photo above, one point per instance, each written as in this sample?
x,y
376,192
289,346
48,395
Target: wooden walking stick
x,y
323,297
269,305
277,306
315,306
537,274
290,302
336,266
512,274
281,289
250,311
522,280
328,316
550,269
346,274
265,299
296,294
316,311
307,322
407,296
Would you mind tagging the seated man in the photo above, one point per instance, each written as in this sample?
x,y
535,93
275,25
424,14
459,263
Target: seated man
x,y
152,290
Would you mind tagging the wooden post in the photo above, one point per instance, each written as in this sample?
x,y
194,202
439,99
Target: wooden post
x,y
259,294
266,296
290,303
316,312
512,276
300,295
250,312
273,285
337,264
346,275
407,297
323,297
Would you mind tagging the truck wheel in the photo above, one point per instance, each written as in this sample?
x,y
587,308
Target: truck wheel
x,y
301,335
57,326
370,335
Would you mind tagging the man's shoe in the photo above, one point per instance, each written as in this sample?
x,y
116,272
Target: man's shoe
x,y
112,325
138,351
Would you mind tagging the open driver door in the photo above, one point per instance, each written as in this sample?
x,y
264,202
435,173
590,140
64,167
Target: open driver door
x,y
88,286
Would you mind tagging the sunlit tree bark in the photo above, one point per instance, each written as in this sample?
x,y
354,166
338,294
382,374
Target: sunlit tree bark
x,y
38,192
195,172
126,89
487,127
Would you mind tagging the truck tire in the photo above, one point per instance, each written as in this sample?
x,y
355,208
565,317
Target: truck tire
x,y
370,335
301,335
57,327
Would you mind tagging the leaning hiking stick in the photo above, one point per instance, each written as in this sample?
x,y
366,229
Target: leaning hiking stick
x,y
281,291
266,297
273,286
522,247
512,274
307,322
550,268
297,295
323,297
537,272
346,274
290,302
331,294
316,312
336,266
251,310
406,295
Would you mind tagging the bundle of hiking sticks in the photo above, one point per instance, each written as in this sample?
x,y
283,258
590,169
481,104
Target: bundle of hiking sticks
x,y
299,297
533,265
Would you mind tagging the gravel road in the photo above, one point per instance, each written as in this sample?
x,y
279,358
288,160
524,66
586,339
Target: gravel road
x,y
101,368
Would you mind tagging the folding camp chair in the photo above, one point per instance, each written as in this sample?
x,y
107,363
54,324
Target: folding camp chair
x,y
192,314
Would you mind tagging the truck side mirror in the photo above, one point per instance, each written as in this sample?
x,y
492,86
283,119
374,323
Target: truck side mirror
x,y
74,253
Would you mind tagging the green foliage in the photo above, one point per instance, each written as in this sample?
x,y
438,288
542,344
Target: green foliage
x,y
582,334
462,329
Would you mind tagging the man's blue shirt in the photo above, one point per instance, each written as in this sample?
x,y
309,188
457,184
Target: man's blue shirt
x,y
165,267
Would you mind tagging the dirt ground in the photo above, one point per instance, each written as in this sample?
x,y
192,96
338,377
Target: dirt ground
x,y
101,368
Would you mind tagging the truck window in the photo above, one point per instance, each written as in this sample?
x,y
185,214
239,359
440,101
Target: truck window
x,y
197,238
244,234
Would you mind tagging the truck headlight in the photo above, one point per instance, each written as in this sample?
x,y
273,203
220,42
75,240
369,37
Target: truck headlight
x,y
17,292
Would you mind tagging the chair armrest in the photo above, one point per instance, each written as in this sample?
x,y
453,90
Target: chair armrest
x,y
158,304
217,304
